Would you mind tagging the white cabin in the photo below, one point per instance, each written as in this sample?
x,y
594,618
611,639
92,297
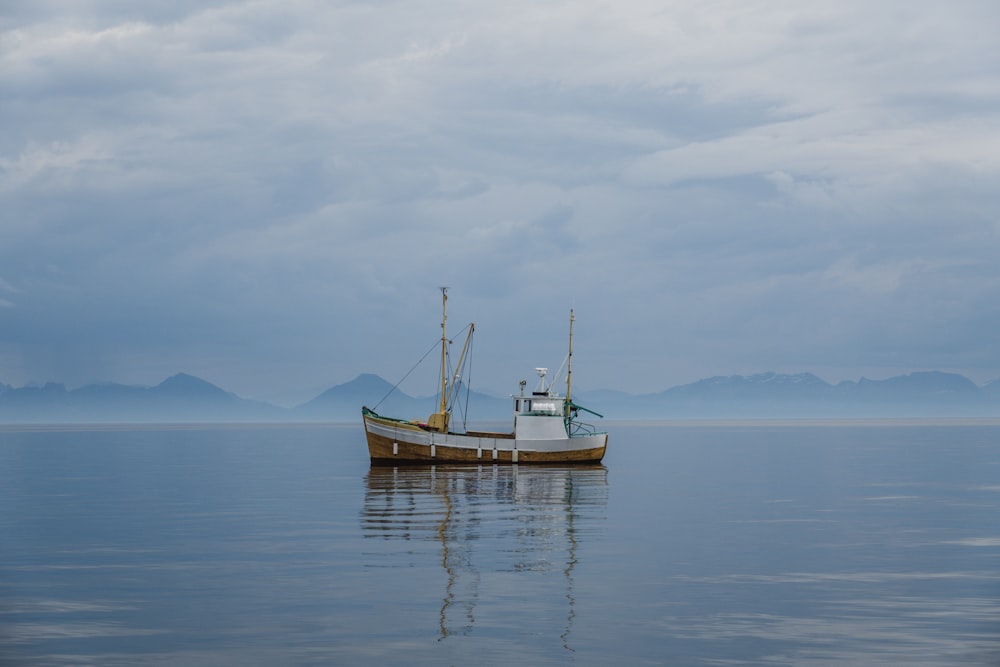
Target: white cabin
x,y
540,415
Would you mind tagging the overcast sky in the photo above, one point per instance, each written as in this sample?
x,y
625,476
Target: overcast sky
x,y
267,194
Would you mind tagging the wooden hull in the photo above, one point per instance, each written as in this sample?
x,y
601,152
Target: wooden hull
x,y
393,442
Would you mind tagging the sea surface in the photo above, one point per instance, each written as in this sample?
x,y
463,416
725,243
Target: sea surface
x,y
693,544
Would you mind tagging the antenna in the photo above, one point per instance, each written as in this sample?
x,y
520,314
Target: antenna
x,y
542,372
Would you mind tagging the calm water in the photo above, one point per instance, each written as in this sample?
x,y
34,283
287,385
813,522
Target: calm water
x,y
691,545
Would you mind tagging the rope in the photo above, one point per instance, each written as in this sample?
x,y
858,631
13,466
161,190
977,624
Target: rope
x,y
407,375
468,389
456,402
468,360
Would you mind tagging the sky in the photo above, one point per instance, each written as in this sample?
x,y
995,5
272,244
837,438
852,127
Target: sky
x,y
268,194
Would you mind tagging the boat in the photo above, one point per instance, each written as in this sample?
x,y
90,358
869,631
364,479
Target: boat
x,y
547,426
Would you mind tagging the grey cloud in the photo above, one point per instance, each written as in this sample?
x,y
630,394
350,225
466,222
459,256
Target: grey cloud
x,y
264,185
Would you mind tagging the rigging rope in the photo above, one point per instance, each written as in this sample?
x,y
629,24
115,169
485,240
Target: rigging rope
x,y
432,348
468,389
406,376
455,374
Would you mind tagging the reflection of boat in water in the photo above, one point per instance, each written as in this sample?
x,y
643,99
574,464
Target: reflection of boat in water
x,y
547,428
491,521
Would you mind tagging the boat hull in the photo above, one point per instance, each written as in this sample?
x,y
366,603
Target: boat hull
x,y
393,442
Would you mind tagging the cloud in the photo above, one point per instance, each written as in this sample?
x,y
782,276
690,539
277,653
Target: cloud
x,y
269,192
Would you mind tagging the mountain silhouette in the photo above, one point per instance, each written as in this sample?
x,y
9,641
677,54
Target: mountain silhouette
x,y
344,401
188,398
181,397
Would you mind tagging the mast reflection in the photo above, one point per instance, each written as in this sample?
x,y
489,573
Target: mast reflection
x,y
489,520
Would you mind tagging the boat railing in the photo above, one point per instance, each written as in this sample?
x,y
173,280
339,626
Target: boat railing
x,y
577,429
368,412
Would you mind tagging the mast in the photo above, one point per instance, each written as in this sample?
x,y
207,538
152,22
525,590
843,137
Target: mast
x,y
439,420
444,349
569,364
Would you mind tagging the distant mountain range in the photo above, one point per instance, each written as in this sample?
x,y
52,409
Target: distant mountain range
x,y
181,397
185,398
774,395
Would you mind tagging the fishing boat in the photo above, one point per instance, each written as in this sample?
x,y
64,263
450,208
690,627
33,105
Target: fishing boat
x,y
547,427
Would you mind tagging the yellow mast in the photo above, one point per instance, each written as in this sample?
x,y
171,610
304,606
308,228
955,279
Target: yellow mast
x,y
444,347
569,364
439,420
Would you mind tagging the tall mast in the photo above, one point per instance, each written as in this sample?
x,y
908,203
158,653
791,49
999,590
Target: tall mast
x,y
569,363
438,421
444,349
